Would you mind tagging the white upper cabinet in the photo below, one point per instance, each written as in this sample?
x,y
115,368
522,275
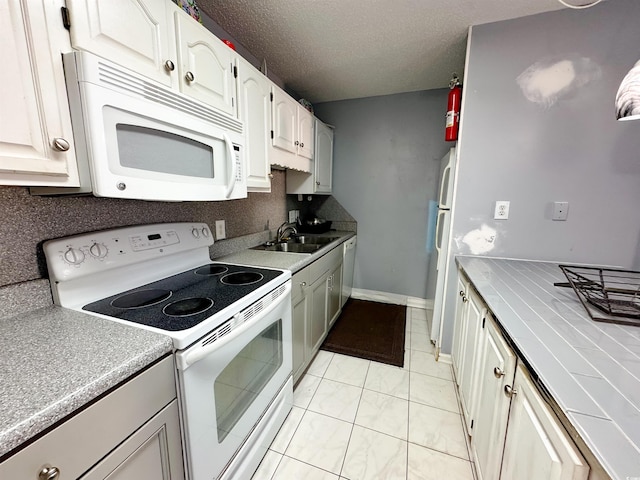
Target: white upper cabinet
x,y
292,137
319,180
206,65
305,132
285,126
36,139
157,39
254,108
323,168
133,33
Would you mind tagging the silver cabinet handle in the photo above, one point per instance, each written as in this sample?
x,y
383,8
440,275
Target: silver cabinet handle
x,y
465,299
189,76
48,473
169,66
462,293
317,183
498,372
303,284
60,144
297,143
509,391
301,144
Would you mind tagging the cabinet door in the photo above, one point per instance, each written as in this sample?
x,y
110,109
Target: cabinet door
x,y
36,140
254,106
300,316
285,127
496,369
206,65
459,329
133,33
323,158
537,446
473,316
305,132
153,452
318,320
333,294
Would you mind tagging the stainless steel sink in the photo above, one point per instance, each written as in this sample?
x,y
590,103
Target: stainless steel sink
x,y
300,244
291,247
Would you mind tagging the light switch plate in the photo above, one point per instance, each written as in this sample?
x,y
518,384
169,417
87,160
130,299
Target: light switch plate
x,y
221,233
560,211
292,216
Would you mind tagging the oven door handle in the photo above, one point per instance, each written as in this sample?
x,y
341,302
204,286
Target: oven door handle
x,y
231,163
196,355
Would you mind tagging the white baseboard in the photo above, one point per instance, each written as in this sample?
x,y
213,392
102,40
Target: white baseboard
x,y
445,358
394,298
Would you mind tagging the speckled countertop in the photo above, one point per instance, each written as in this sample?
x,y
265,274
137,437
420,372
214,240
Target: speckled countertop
x,y
54,360
590,369
286,260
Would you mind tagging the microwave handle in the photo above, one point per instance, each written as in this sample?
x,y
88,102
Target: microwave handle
x,y
202,352
231,163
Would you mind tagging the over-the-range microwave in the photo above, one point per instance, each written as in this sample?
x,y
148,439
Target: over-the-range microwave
x,y
138,139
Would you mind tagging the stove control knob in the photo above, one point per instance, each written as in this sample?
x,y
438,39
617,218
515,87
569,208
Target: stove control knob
x,y
195,232
205,232
98,250
74,256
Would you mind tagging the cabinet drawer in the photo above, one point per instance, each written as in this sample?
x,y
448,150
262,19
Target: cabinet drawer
x,y
299,282
84,439
326,262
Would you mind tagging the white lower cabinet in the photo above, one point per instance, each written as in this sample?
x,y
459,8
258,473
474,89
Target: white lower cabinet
x,y
496,369
315,303
132,433
537,447
514,433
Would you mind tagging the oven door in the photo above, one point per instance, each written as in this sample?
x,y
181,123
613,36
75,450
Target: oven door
x,y
230,378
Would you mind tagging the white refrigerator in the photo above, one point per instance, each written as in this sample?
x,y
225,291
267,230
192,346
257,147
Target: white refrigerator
x,y
443,227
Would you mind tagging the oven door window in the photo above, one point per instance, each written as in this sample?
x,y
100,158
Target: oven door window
x,y
242,380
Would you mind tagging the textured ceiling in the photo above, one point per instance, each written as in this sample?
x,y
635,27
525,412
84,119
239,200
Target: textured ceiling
x,y
337,49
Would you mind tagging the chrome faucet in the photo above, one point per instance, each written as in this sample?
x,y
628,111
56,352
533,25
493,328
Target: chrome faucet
x,y
283,229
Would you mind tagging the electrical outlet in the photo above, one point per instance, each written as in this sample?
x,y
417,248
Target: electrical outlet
x,y
501,211
560,211
220,230
292,216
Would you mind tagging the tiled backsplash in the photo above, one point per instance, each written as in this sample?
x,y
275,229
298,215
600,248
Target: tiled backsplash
x,y
27,221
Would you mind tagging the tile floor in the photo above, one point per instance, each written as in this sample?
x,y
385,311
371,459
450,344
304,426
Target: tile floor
x,y
354,419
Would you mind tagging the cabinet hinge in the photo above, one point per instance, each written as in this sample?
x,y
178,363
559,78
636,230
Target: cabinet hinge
x,y
235,72
483,319
271,96
66,22
272,134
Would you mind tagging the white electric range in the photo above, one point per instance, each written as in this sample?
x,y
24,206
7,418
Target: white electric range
x,y
230,325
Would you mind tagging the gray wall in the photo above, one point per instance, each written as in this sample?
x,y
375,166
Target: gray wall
x,y
386,162
559,142
28,220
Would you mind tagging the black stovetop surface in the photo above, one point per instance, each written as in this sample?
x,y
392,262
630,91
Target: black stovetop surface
x,y
183,286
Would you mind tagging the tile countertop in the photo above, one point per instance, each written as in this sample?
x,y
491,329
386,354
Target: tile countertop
x,y
591,369
55,360
286,260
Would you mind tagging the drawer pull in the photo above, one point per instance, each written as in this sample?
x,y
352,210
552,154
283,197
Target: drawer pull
x,y
169,66
465,299
189,76
509,391
462,293
303,284
498,372
49,473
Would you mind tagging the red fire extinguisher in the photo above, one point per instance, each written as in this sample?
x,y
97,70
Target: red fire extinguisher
x,y
453,109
